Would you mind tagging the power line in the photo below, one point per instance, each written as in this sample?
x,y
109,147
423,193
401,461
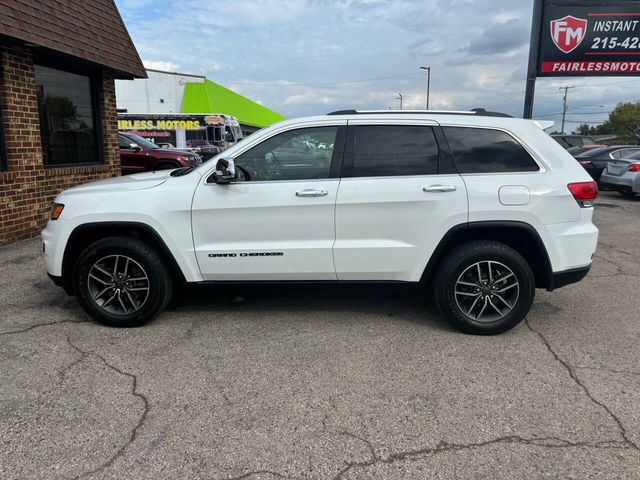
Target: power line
x,y
600,84
588,122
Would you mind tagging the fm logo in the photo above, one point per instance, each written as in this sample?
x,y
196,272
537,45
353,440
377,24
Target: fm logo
x,y
568,32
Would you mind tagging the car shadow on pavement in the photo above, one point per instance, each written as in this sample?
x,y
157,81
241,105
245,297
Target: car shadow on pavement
x,y
401,302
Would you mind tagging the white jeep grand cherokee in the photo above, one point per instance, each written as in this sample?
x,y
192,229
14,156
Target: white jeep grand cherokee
x,y
481,208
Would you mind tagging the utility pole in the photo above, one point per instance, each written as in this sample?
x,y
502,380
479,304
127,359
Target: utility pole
x,y
564,105
428,69
399,97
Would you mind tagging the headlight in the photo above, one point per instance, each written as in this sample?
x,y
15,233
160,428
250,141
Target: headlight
x,y
56,210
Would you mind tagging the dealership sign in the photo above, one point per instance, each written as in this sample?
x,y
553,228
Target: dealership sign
x,y
146,124
583,38
568,32
590,40
172,121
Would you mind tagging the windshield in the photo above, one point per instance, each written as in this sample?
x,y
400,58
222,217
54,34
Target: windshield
x,y
238,133
139,140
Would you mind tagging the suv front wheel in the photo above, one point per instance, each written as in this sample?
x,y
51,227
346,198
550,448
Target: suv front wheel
x,y
121,282
484,287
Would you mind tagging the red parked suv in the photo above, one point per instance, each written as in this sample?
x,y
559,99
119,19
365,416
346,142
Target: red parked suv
x,y
140,155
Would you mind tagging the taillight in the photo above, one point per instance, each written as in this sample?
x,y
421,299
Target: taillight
x,y
584,163
584,192
634,167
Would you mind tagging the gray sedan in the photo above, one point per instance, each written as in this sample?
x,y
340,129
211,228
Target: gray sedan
x,y
623,175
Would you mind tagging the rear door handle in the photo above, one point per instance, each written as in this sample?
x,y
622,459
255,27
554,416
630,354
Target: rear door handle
x,y
312,193
439,188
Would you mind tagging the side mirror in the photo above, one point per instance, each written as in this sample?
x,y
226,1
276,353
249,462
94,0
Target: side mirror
x,y
135,147
225,171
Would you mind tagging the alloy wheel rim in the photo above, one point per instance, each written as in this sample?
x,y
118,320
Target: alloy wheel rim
x,y
487,291
118,284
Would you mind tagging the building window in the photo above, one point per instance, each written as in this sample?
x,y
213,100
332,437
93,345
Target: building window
x,y
69,122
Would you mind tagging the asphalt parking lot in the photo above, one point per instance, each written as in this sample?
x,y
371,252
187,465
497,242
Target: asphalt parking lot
x,y
325,382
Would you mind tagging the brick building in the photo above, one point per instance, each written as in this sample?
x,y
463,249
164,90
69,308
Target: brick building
x,y
58,127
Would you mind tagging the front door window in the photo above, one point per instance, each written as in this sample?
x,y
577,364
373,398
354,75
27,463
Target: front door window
x,y
301,154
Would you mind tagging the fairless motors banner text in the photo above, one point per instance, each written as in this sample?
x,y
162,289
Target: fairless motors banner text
x,y
590,40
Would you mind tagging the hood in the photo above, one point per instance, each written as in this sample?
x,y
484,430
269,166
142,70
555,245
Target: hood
x,y
171,153
138,181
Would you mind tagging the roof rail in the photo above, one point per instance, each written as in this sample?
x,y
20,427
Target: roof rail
x,y
473,111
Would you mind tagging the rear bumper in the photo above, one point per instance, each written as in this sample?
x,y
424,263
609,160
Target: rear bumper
x,y
630,181
567,277
570,245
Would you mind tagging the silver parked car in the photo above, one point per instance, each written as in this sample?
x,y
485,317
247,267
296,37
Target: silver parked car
x,y
623,175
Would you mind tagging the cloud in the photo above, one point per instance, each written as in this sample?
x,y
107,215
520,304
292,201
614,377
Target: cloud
x,y
501,38
296,56
161,65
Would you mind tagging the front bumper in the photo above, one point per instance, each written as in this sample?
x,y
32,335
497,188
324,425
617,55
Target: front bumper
x,y
56,280
54,238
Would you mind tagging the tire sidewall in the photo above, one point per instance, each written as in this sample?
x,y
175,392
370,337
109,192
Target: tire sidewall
x,y
483,252
148,260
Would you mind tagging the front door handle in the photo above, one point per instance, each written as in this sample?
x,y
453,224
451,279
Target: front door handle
x,y
439,188
312,193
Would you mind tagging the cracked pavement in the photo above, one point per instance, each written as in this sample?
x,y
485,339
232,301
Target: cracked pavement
x,y
326,382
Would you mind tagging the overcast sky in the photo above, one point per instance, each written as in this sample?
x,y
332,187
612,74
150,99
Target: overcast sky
x,y
305,57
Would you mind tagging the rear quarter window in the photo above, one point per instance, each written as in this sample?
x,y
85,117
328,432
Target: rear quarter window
x,y
482,150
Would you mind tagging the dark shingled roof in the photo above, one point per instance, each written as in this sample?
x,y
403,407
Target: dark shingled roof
x,y
90,30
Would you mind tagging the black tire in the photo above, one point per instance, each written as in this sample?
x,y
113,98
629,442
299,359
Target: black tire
x,y
459,263
142,259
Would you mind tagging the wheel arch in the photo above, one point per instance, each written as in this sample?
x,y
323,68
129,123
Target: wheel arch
x,y
520,236
84,235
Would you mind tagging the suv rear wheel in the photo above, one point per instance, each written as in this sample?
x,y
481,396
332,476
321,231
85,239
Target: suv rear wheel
x,y
121,282
484,287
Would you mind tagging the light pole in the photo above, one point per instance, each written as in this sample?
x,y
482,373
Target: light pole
x,y
399,97
428,69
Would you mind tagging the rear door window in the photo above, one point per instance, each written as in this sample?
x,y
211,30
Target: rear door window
x,y
482,150
392,150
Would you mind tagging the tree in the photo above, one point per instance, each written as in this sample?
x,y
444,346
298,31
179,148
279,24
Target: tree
x,y
61,112
624,120
585,129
